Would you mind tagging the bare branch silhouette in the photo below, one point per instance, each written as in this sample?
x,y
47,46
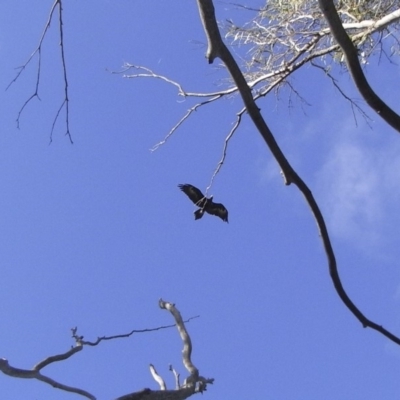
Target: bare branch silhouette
x,y
35,372
225,147
38,50
353,63
66,97
217,48
182,120
354,106
80,340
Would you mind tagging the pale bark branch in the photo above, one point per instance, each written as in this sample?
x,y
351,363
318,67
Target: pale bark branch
x,y
34,373
187,342
193,384
157,378
176,375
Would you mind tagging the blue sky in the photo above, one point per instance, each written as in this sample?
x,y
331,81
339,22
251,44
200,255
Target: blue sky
x,y
93,234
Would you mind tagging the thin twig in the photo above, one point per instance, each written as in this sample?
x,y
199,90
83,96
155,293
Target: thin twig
x,y
80,340
225,148
176,375
182,120
66,97
148,73
349,99
38,50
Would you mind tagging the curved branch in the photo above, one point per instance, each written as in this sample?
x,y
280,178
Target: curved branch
x,y
58,357
34,373
187,342
353,64
216,48
193,384
157,377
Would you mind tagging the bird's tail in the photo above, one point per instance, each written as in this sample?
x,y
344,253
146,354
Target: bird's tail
x,y
198,213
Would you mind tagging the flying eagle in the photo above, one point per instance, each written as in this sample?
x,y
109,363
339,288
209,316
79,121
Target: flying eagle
x,y
205,204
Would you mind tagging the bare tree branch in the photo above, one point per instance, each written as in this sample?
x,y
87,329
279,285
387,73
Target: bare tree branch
x,y
66,97
353,103
216,48
353,64
148,73
79,339
35,372
182,120
225,148
38,51
187,342
193,384
58,357
157,378
293,33
176,375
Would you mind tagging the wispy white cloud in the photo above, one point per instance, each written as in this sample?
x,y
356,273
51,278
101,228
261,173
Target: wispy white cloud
x,y
358,185
349,181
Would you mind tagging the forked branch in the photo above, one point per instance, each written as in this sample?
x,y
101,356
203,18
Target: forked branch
x,y
38,51
36,371
194,383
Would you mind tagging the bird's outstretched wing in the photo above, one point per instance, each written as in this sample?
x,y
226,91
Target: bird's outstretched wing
x,y
192,192
217,209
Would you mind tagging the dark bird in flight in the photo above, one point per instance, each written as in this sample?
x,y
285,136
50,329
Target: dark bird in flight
x,y
206,204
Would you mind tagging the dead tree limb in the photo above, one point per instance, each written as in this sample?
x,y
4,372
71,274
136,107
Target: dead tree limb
x,y
194,383
35,372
